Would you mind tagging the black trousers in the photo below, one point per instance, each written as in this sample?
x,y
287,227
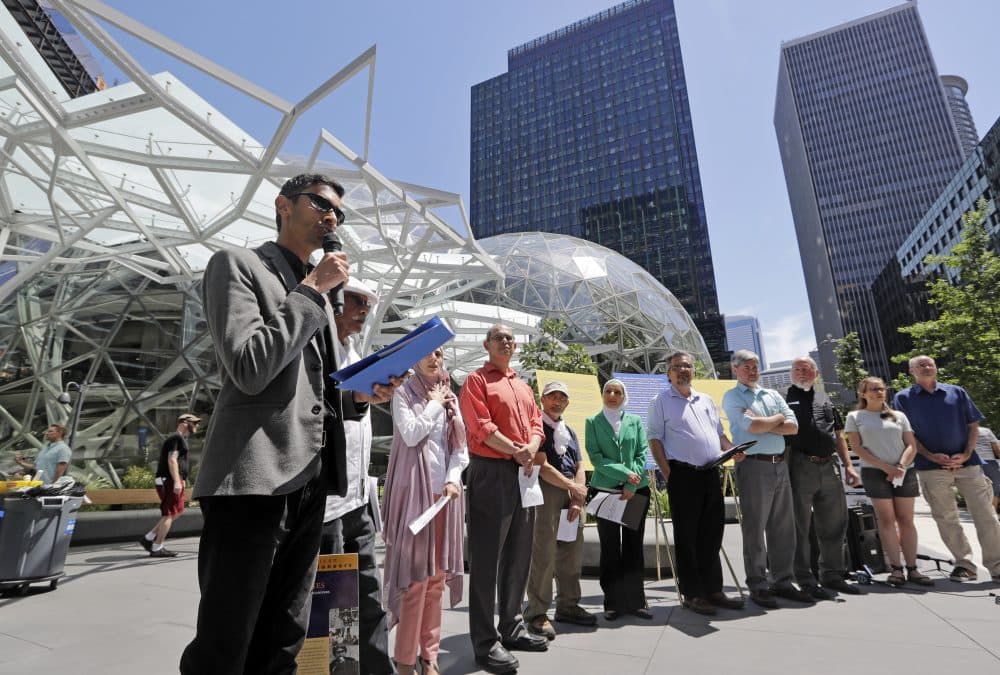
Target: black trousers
x,y
500,535
256,566
698,514
622,563
354,532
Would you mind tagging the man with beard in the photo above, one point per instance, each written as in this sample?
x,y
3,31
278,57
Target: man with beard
x,y
817,495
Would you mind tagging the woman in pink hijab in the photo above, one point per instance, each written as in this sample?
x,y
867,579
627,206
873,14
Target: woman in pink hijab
x,y
428,455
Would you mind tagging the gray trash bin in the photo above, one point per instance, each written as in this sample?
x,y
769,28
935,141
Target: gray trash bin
x,y
34,538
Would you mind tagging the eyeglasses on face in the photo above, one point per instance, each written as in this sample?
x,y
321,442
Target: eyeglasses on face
x,y
681,366
876,389
500,337
322,204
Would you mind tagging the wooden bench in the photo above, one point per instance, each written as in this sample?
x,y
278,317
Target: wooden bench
x,y
116,497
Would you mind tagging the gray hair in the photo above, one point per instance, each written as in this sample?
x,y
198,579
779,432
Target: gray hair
x,y
676,355
493,329
741,356
913,359
805,359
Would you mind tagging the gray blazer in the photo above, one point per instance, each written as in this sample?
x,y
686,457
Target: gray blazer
x,y
265,435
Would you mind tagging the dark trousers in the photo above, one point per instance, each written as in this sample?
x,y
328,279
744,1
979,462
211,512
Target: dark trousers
x,y
354,532
818,498
698,514
256,566
500,532
622,563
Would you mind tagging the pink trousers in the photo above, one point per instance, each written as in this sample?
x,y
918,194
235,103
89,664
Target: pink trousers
x,y
419,624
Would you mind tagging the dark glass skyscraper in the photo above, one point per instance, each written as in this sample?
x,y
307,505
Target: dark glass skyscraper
x,y
867,141
588,133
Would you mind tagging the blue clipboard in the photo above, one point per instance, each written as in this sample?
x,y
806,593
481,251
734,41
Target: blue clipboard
x,y
394,359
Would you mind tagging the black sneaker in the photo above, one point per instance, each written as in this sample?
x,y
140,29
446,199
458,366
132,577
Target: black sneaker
x,y
146,544
163,553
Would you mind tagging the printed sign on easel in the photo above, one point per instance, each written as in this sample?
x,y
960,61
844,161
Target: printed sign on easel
x,y
331,646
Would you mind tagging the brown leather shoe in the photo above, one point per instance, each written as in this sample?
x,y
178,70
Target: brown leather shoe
x,y
720,599
699,605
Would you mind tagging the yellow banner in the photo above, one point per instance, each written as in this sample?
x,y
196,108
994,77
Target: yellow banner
x,y
584,401
716,389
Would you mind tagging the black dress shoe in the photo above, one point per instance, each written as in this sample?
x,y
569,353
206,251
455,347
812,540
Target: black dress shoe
x,y
794,594
842,586
498,660
611,615
526,642
817,592
720,599
764,599
643,613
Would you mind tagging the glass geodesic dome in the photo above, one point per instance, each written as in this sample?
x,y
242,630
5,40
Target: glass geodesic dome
x,y
623,316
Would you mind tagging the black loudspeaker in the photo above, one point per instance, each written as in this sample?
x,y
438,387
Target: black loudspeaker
x,y
863,543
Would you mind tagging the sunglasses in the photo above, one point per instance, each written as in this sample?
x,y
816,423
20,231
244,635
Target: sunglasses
x,y
322,204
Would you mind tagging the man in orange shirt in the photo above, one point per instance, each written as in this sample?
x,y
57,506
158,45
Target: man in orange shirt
x,y
504,433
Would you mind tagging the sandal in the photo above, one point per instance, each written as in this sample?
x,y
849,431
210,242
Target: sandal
x,y
429,667
896,578
918,578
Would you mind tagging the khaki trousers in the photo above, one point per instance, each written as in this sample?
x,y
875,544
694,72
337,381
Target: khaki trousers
x,y
938,486
561,559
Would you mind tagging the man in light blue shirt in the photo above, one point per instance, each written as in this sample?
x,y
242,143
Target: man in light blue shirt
x,y
685,433
53,460
762,415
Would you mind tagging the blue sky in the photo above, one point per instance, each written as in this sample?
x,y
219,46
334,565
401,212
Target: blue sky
x,y
430,53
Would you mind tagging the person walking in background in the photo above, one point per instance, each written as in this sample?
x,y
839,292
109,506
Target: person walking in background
x,y
564,486
685,433
171,479
428,455
946,426
52,460
759,414
505,434
988,449
884,441
616,444
817,492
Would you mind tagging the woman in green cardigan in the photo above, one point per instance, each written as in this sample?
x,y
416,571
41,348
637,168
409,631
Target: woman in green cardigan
x,y
616,443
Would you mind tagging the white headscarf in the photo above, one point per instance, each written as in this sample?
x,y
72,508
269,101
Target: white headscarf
x,y
560,433
614,415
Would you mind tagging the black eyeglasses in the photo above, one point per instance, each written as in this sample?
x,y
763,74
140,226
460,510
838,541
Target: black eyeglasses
x,y
321,203
500,337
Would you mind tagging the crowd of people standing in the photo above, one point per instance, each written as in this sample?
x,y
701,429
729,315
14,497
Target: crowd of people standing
x,y
284,476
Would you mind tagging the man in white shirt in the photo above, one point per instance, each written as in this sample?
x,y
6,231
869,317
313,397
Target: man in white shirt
x,y
349,521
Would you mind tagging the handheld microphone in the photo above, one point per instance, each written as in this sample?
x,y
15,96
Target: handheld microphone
x,y
331,245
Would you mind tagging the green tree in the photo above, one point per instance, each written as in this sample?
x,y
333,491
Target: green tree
x,y
547,352
850,368
965,338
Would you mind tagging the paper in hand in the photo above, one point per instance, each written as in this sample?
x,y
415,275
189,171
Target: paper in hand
x,y
531,491
420,522
567,530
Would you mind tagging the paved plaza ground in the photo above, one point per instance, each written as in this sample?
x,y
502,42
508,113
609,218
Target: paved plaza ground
x,y
119,612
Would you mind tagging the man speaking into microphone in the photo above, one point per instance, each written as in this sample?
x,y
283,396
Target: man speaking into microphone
x,y
275,441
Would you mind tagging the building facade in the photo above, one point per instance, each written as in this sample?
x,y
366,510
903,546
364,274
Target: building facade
x,y
743,332
867,141
955,88
900,291
589,134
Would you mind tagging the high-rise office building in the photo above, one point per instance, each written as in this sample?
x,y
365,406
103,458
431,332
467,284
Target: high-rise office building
x,y
955,88
867,141
743,332
589,133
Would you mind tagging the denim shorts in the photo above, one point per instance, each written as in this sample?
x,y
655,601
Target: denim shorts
x,y
877,487
992,471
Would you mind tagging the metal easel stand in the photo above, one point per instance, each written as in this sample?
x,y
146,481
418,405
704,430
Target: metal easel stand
x,y
729,484
661,526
